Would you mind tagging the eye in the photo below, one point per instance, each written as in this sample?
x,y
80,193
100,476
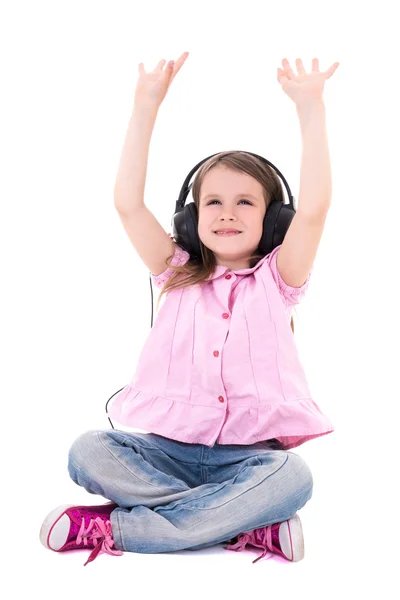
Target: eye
x,y
243,200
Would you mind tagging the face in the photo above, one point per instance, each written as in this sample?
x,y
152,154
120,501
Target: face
x,y
229,199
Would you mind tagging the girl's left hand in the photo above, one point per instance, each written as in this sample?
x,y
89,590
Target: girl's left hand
x,y
304,87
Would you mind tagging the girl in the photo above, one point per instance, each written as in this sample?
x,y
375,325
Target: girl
x,y
219,383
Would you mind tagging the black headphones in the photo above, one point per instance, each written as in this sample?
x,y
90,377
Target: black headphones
x,y
184,222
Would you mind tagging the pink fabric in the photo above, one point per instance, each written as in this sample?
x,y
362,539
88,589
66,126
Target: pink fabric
x,y
220,364
91,526
99,532
263,537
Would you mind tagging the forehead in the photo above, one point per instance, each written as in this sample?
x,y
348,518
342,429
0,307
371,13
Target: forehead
x,y
224,182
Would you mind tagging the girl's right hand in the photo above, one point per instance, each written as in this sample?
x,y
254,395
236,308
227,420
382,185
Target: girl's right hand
x,y
151,88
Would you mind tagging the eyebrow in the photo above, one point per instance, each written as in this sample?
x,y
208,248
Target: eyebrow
x,y
237,196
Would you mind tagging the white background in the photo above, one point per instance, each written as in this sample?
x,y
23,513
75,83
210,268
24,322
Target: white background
x,y
76,303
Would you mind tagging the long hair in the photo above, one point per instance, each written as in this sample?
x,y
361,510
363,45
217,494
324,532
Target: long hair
x,y
198,270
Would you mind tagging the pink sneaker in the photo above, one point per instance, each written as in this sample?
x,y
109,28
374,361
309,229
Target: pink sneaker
x,y
285,539
70,527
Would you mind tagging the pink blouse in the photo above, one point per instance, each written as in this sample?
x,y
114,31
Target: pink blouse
x,y
220,364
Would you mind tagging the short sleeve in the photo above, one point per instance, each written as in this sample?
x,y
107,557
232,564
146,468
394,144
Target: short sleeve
x,y
180,257
291,295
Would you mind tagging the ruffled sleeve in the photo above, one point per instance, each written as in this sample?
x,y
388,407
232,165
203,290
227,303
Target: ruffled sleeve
x,y
180,258
291,295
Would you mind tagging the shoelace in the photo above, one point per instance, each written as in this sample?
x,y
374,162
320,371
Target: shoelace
x,y
260,538
97,529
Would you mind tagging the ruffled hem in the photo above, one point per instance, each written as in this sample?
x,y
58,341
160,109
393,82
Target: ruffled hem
x,y
292,422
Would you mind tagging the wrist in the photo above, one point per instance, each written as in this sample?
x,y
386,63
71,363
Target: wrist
x,y
145,110
310,106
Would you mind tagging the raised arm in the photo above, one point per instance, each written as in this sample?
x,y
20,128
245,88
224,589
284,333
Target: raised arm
x,y
146,234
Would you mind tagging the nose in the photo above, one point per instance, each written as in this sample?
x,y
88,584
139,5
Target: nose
x,y
227,214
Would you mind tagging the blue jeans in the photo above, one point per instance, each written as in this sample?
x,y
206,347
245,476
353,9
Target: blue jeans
x,y
177,496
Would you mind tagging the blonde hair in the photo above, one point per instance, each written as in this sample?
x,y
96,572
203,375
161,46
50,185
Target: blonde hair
x,y
199,270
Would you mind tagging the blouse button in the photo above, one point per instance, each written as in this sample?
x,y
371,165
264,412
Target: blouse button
x,y
225,316
228,276
216,353
221,399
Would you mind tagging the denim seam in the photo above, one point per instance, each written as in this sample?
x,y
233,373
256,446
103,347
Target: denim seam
x,y
117,532
180,503
124,466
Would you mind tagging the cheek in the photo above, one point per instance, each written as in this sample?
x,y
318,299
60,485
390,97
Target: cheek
x,y
201,230
203,225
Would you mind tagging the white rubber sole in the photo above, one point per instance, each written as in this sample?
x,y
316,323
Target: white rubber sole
x,y
291,539
55,528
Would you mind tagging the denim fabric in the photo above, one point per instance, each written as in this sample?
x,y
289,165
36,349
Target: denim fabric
x,y
177,496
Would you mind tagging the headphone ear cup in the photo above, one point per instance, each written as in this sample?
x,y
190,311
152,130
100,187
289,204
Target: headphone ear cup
x,y
192,226
284,218
276,223
185,229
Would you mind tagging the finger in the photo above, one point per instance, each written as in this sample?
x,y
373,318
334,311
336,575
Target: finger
x,y
182,58
160,65
300,67
282,76
331,70
287,68
315,64
178,64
